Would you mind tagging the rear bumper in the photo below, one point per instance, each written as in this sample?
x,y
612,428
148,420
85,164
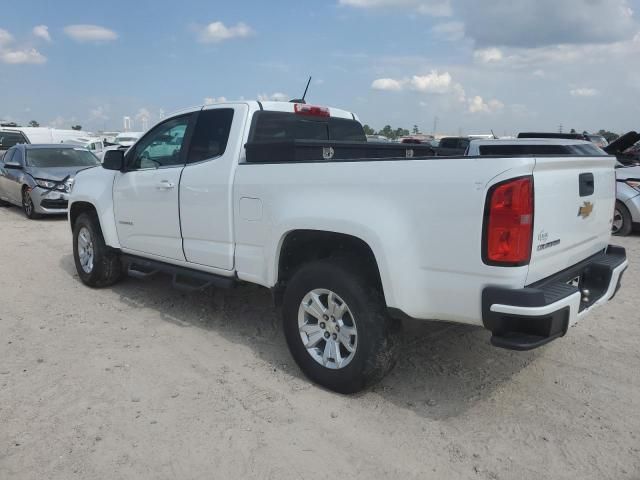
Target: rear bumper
x,y
529,317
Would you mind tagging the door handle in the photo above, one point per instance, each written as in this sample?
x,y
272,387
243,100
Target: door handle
x,y
165,185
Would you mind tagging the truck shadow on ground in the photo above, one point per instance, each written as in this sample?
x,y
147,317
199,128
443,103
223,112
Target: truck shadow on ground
x,y
442,370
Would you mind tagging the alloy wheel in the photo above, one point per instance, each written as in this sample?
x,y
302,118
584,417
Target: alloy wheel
x,y
85,250
327,328
618,221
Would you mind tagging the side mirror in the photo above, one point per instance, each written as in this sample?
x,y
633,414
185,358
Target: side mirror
x,y
113,160
14,165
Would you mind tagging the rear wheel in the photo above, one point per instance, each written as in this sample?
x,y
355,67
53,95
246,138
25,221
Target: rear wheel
x,y
337,327
97,264
622,221
27,204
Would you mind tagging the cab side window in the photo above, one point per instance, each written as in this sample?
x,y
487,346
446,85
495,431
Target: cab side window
x,y
211,134
161,147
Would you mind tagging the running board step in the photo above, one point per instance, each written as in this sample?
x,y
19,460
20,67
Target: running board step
x,y
183,278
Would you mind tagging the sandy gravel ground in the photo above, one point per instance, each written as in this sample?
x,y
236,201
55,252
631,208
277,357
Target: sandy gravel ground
x,y
142,381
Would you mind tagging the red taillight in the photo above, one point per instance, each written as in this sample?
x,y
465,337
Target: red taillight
x,y
509,223
311,110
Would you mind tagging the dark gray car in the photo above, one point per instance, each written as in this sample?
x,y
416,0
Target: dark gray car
x,y
39,177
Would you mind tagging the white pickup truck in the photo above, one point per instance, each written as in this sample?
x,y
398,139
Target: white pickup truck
x,y
350,236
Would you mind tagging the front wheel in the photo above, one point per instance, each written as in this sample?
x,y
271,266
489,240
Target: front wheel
x,y
97,265
337,327
27,204
622,221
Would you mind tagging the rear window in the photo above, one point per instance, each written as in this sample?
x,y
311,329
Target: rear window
x,y
540,150
283,126
9,139
61,157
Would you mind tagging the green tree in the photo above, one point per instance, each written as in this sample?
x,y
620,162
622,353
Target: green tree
x,y
33,123
400,132
387,131
76,127
416,130
368,130
573,130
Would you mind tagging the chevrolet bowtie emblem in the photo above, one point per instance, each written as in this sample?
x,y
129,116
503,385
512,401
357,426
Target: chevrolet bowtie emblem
x,y
585,210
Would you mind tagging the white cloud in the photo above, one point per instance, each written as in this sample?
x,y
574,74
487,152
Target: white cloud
x,y
218,32
143,114
450,31
212,100
99,113
42,31
437,8
17,54
433,82
478,105
5,37
275,97
388,84
90,33
583,92
27,55
488,55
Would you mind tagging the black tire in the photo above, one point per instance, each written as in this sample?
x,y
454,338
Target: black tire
x,y
106,266
27,205
623,215
375,353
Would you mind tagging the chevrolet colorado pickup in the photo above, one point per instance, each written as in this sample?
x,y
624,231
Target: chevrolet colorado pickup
x,y
349,236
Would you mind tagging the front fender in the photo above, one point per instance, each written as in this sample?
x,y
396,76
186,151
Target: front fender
x,y
95,187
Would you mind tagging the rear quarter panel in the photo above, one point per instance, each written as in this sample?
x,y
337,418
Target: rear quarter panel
x,y
421,218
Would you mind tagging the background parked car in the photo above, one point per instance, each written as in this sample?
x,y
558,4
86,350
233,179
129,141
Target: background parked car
x,y
126,139
377,139
599,140
39,177
452,146
9,138
533,146
626,148
627,211
566,136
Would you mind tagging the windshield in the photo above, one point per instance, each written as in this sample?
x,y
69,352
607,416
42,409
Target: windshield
x,y
61,157
125,139
9,139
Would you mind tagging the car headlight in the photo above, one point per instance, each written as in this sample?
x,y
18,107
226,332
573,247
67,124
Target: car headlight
x,y
635,184
50,184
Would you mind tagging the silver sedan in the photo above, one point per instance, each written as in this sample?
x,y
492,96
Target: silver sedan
x,y
38,178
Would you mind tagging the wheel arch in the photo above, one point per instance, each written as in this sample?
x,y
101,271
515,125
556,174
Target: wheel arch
x,y
108,232
299,246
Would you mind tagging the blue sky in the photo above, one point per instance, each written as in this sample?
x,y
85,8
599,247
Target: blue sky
x,y
507,65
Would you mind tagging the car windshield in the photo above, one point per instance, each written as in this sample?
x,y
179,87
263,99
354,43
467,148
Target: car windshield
x,y
9,139
60,157
125,139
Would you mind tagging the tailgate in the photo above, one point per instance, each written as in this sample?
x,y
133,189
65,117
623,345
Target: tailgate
x,y
574,202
